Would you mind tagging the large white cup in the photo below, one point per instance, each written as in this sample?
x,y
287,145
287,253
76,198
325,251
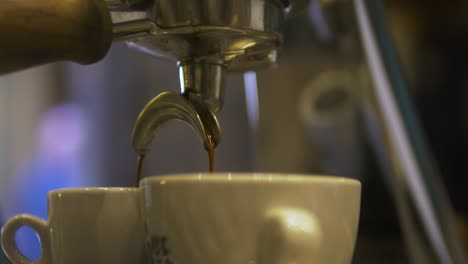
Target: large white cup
x,y
250,218
85,225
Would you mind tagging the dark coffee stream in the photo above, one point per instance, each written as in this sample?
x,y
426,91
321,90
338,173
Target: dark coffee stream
x,y
211,159
140,159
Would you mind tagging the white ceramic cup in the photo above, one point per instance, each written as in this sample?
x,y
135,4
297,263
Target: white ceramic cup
x,y
85,225
250,218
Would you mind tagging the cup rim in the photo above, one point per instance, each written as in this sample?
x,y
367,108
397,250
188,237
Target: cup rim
x,y
93,190
243,177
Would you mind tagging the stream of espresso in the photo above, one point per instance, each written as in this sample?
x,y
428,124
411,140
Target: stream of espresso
x,y
140,159
211,159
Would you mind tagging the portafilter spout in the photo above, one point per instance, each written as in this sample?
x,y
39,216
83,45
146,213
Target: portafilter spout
x,y
207,39
169,106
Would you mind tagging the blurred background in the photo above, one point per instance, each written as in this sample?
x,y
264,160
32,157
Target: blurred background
x,y
65,125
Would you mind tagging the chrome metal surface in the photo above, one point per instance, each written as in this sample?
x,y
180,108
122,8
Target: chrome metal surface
x,y
243,35
169,106
205,80
206,38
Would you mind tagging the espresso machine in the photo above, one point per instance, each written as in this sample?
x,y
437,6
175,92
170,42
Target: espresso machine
x,y
208,39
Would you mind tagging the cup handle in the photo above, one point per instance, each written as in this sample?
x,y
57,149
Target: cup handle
x,y
289,236
9,244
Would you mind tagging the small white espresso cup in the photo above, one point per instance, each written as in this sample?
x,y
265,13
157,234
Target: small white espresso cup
x,y
85,225
250,218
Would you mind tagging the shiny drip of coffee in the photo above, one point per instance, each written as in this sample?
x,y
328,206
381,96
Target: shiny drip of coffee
x,y
211,159
140,159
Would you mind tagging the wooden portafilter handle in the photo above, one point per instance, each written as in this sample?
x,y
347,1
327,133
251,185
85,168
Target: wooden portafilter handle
x,y
34,32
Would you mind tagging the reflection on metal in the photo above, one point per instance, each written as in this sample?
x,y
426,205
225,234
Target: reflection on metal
x,y
415,180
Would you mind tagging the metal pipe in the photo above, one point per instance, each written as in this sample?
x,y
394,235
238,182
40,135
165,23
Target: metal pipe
x,y
129,30
415,177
